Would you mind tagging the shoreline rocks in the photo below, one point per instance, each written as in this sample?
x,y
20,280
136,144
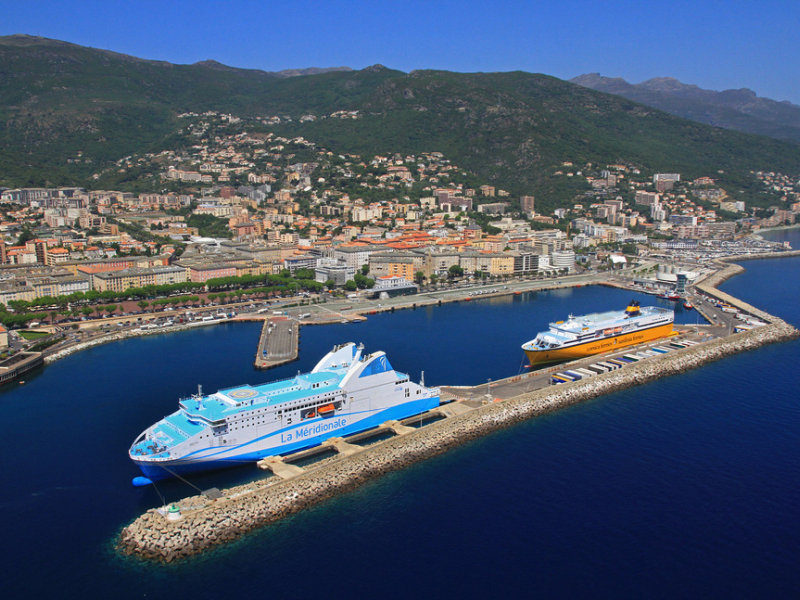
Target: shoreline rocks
x,y
111,337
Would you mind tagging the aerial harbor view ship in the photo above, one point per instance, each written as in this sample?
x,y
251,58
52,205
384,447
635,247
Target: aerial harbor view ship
x,y
592,334
521,320
344,393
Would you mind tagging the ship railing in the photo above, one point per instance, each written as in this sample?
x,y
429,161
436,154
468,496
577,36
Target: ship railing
x,y
199,417
236,387
270,393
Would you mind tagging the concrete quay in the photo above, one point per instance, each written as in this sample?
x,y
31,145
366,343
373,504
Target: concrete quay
x,y
206,524
278,343
11,368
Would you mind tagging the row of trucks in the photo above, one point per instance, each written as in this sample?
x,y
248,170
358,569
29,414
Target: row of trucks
x,y
617,362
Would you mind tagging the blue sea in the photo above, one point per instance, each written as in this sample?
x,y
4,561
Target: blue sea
x,y
688,487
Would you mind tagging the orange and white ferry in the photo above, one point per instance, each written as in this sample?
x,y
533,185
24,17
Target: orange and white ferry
x,y
597,333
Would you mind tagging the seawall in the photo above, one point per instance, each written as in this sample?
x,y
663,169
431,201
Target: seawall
x,y
248,507
757,256
111,337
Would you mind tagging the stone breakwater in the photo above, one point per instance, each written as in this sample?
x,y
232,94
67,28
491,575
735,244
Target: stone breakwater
x,y
246,508
756,256
710,284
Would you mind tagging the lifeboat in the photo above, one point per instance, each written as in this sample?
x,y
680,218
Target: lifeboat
x,y
326,411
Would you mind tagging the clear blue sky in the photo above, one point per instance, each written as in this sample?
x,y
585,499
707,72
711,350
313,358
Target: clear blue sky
x,y
714,44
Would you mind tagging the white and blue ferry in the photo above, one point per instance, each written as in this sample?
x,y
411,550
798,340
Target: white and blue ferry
x,y
344,394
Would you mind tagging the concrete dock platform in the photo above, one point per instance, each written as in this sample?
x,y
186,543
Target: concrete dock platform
x,y
280,468
278,343
398,428
341,446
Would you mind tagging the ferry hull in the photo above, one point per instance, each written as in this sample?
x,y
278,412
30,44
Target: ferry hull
x,y
280,442
597,346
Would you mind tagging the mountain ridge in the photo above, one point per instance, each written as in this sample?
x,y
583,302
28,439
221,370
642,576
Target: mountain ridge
x,y
68,111
738,109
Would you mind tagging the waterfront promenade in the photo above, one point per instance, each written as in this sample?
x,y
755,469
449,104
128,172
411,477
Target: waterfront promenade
x,y
282,348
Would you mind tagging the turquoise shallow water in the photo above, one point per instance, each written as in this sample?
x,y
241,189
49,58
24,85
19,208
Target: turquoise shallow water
x,y
686,487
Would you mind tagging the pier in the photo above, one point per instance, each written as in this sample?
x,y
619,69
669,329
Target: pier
x,y
278,343
205,524
305,478
14,366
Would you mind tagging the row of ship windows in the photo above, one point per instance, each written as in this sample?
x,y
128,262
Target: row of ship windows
x,y
328,395
326,398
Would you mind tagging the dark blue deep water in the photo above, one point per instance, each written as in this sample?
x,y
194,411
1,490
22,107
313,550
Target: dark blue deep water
x,y
685,488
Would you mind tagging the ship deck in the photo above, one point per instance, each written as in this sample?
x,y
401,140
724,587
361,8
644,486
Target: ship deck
x,y
197,413
612,318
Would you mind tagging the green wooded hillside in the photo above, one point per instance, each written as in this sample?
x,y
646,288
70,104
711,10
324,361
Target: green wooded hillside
x,y
68,111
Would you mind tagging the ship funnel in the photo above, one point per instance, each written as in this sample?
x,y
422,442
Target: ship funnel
x,y
633,309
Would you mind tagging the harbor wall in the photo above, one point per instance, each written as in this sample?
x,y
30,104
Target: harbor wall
x,y
756,256
709,287
11,368
248,507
